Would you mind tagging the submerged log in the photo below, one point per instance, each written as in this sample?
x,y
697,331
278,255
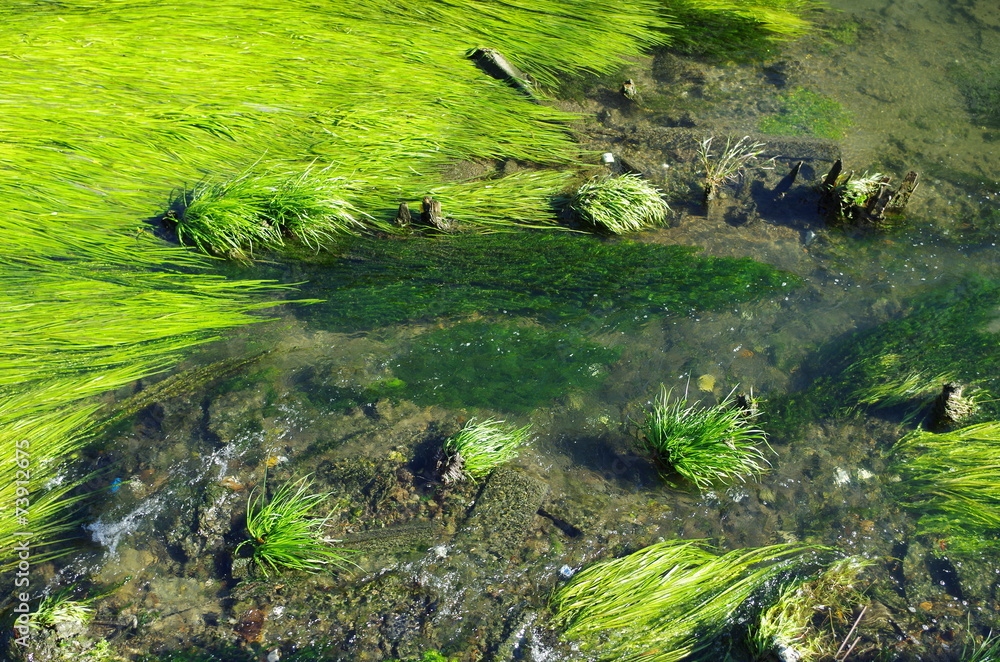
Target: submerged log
x,y
494,64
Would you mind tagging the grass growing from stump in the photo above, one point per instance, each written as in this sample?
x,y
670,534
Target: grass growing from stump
x,y
952,482
627,203
285,536
665,602
480,447
704,445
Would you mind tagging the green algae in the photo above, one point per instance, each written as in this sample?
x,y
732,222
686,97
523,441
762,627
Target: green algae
x,y
803,112
549,277
500,366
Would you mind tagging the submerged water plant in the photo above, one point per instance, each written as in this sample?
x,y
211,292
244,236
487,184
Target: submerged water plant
x,y
704,445
502,367
59,609
478,448
664,602
553,277
804,112
806,620
626,203
945,336
729,164
951,481
285,536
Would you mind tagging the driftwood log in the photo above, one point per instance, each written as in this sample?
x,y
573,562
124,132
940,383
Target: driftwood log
x,y
494,64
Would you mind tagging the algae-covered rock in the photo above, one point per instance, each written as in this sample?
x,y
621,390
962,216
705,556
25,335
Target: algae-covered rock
x,y
503,512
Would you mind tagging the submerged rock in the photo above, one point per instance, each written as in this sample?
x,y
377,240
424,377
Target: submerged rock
x,y
504,512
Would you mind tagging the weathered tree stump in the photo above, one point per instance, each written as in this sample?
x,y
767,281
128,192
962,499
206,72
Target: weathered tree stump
x,y
403,216
431,215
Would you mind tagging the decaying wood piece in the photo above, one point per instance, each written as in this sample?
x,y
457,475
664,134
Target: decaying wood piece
x,y
865,201
403,216
903,193
831,177
494,64
431,215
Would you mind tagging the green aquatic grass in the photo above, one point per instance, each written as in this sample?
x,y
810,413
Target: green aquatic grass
x,y
806,620
481,446
60,608
945,335
988,650
107,112
259,212
704,445
737,30
952,482
552,277
627,203
111,107
503,367
664,602
728,163
284,534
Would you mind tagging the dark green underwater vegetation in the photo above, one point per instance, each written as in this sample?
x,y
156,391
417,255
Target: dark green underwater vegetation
x,y
948,334
980,86
806,113
500,366
550,277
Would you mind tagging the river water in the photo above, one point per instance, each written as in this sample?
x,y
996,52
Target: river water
x,y
469,572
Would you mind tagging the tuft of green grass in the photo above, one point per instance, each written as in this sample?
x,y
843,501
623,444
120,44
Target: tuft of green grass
x,y
665,602
729,164
480,447
951,481
236,217
60,608
988,650
888,386
704,445
627,203
285,536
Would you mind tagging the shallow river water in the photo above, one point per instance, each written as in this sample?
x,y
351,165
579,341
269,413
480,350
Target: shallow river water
x,y
468,570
